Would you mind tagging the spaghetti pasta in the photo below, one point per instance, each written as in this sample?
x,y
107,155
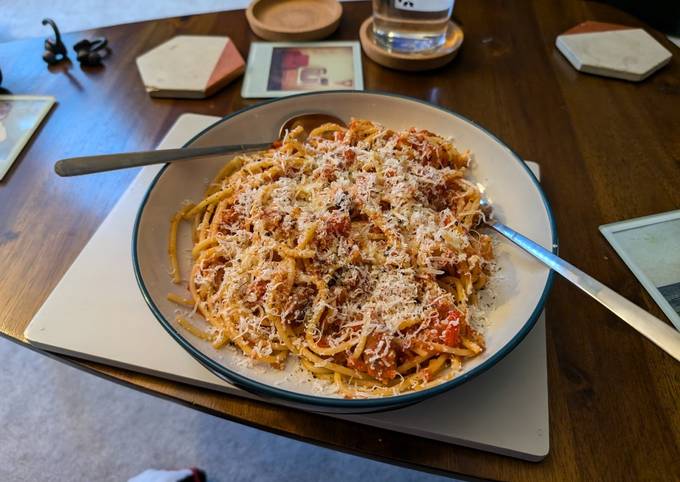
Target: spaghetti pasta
x,y
353,249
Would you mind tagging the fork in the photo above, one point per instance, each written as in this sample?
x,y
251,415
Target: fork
x,y
660,333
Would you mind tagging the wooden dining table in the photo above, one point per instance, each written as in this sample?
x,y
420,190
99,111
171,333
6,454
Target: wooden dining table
x,y
609,151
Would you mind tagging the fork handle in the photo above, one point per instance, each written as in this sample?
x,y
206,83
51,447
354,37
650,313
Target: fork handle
x,y
76,166
660,333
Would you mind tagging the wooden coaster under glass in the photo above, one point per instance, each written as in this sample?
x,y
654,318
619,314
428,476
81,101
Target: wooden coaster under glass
x,y
427,60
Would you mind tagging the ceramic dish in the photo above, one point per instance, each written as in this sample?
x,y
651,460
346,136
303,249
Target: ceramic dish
x,y
520,289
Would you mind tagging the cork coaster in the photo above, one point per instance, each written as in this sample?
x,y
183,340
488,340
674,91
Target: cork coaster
x,y
413,62
294,20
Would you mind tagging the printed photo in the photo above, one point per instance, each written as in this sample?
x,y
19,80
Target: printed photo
x,y
279,69
311,68
19,117
655,250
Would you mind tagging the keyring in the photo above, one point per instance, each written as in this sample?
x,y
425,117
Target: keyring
x,y
91,52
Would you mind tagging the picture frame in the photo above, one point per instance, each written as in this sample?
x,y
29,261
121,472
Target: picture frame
x,y
650,247
279,69
20,117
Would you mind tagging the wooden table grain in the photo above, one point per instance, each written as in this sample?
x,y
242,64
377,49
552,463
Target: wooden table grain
x,y
609,150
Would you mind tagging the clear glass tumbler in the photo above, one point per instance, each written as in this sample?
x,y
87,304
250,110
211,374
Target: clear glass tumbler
x,y
411,25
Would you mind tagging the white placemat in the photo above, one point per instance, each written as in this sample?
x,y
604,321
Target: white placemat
x,y
96,312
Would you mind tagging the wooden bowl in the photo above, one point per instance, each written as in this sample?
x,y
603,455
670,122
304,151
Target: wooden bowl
x,y
411,61
293,20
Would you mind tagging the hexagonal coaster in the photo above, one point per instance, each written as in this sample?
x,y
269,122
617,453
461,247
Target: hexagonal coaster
x,y
190,66
612,50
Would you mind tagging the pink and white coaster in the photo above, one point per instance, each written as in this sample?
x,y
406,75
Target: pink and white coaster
x,y
190,66
612,50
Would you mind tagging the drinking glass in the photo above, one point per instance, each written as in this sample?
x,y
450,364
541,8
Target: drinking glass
x,y
411,25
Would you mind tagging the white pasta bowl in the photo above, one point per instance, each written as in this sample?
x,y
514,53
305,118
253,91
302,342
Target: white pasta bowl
x,y
520,288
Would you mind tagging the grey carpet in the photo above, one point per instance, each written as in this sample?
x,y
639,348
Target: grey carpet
x,y
21,18
25,16
58,423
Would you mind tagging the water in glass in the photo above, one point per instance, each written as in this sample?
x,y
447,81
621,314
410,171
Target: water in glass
x,y
411,25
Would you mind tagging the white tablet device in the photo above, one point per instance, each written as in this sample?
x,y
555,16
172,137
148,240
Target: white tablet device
x,y
650,246
279,69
